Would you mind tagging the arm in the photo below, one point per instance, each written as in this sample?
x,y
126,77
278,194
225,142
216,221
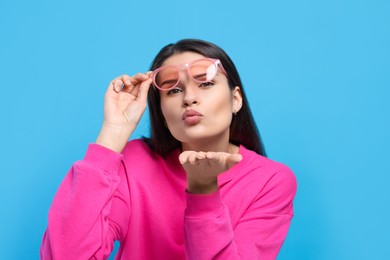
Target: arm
x,y
259,233
89,210
86,216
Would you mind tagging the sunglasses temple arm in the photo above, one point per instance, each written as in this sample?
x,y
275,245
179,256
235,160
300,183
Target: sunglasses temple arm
x,y
219,63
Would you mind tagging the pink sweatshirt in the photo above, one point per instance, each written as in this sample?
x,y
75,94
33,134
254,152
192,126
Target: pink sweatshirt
x,y
139,198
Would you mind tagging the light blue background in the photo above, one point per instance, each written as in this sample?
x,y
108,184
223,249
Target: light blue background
x,y
317,76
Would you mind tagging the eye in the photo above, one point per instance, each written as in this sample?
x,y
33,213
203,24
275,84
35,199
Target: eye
x,y
207,84
174,91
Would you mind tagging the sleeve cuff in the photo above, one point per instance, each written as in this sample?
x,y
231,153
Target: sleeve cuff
x,y
204,205
103,158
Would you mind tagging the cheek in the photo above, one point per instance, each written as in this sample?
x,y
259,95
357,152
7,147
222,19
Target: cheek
x,y
167,111
220,104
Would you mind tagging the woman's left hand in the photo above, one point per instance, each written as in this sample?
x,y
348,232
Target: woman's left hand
x,y
202,169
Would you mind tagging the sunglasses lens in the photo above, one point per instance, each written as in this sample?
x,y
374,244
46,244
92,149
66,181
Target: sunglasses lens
x,y
203,70
167,77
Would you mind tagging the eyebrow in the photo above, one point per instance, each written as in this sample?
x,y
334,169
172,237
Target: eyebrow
x,y
169,81
199,75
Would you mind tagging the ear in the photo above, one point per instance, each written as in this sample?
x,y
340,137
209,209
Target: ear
x,y
237,99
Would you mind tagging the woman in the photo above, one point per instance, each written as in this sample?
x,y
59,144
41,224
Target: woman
x,y
199,188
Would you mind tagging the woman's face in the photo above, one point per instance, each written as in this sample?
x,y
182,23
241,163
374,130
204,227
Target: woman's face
x,y
196,112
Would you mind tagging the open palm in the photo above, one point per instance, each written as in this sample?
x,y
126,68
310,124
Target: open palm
x,y
203,168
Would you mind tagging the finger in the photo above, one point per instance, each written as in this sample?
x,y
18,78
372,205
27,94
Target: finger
x,y
133,84
200,155
117,85
140,77
226,159
183,157
136,90
126,79
143,90
149,74
233,159
129,88
212,156
192,158
119,81
132,80
215,158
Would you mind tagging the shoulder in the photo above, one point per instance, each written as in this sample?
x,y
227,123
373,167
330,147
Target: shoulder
x,y
275,182
273,173
137,153
136,145
253,160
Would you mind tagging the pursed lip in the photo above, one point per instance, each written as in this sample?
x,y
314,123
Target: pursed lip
x,y
190,113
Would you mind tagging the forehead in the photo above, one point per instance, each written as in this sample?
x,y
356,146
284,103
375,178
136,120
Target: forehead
x,y
182,58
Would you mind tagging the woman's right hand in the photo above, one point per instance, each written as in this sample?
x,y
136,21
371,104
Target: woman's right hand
x,y
124,104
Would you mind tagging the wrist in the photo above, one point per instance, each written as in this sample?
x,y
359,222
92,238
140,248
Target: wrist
x,y
194,188
113,137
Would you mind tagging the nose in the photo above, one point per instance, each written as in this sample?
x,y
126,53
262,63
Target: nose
x,y
189,103
190,96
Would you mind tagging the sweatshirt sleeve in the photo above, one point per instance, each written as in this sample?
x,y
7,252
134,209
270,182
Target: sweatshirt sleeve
x,y
86,215
260,232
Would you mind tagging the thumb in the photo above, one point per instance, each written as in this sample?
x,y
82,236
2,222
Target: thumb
x,y
143,90
233,159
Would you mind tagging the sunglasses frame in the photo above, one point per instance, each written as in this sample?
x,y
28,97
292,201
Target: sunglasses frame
x,y
187,66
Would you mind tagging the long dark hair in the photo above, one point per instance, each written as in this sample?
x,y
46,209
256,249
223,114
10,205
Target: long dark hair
x,y
243,129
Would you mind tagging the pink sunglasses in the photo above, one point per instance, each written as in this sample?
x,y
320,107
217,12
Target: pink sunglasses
x,y
200,70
